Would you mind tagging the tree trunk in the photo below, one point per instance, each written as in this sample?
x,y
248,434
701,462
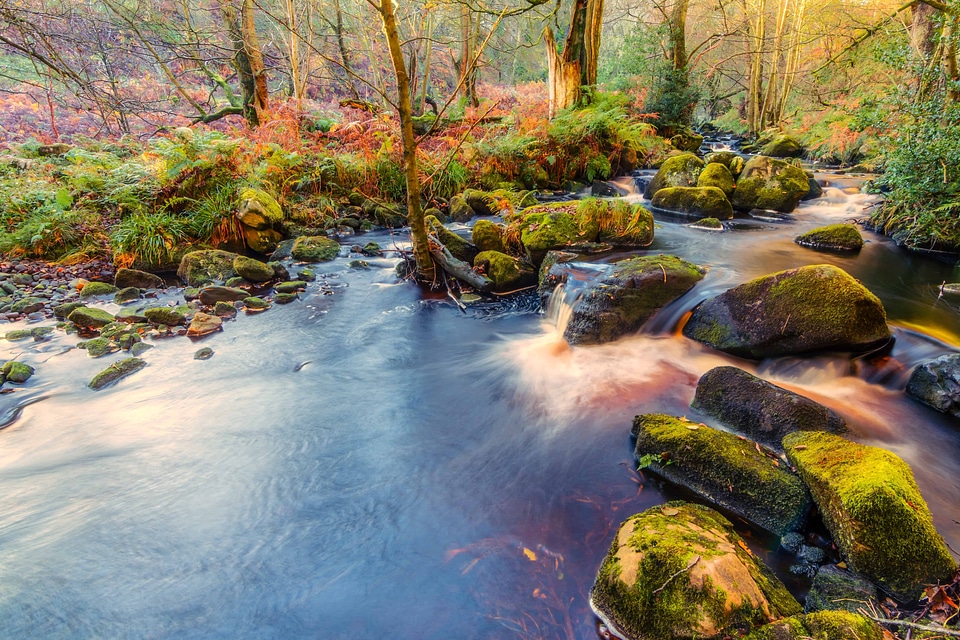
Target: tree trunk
x,y
251,45
241,63
576,67
678,36
466,65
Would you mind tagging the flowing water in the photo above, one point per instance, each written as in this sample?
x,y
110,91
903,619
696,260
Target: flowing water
x,y
370,463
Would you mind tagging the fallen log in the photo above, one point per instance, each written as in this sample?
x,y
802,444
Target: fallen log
x,y
458,268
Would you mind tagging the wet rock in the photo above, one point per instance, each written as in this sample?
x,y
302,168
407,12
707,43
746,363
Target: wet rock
x,y
679,171
732,161
28,304
314,249
164,316
17,334
115,372
129,294
90,318
290,287
236,282
768,183
602,189
698,202
259,210
679,571
203,354
719,176
252,269
783,147
131,315
506,272
726,470
125,278
224,309
619,303
97,289
549,228
687,141
816,191
306,275
813,308
282,252
460,211
22,279
488,236
836,589
824,625
874,511
937,384
760,410
480,202
198,268
139,348
372,249
458,247
358,264
262,241
203,324
209,296
711,224
280,271
284,298
17,372
99,347
256,304
549,278
834,237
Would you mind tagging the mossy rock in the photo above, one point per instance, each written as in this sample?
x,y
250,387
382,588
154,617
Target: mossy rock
x,y
732,161
687,141
813,308
708,223
836,589
548,227
719,176
90,318
139,348
488,236
833,237
262,241
618,303
768,183
116,371
28,304
723,469
127,294
252,269
506,272
783,147
758,409
936,383
97,289
124,278
698,202
291,286
17,334
131,315
823,625
315,249
17,372
224,309
259,210
679,571
460,211
99,347
41,333
255,303
164,315
210,296
618,223
480,202
458,247
872,506
679,171
235,283
284,298
198,268
61,311
203,354
816,191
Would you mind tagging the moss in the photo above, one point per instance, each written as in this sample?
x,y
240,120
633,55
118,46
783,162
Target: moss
x,y
263,241
164,315
115,372
291,286
460,211
783,147
198,268
506,272
259,209
458,247
28,304
767,183
834,237
17,372
256,303
99,347
662,578
315,249
97,289
252,269
824,625
732,161
678,171
836,589
694,201
617,222
89,317
61,311
488,236
708,223
128,294
719,176
284,298
554,226
725,470
874,510
224,309
17,334
40,333
139,348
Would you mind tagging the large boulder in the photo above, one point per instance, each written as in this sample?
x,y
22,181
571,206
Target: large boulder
x,y
633,290
679,571
252,269
488,236
679,171
314,249
836,589
697,202
125,278
263,241
198,268
545,230
92,289
824,625
833,237
813,308
872,506
717,175
768,183
937,384
90,317
506,272
758,409
460,249
687,140
783,147
460,211
723,469
259,210
732,161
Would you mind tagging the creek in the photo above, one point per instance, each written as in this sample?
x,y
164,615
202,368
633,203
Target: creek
x,y
370,462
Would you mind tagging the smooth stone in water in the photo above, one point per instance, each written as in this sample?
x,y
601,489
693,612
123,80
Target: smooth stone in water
x,y
116,371
17,372
203,324
937,384
209,296
203,354
125,278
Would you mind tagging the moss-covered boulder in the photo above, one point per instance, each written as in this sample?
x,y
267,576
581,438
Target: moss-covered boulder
x,y
284,298
480,202
824,625
164,315
262,241
542,232
697,202
255,303
315,249
813,308
833,237
460,249
92,289
726,470
873,508
732,161
936,383
116,371
768,183
259,210
618,303
550,275
61,311
17,372
719,176
687,141
618,223
90,318
679,571
210,296
506,272
128,294
124,278
836,589
679,171
30,304
711,224
783,147
252,269
290,286
758,409
460,211
488,236
198,268
99,347
203,323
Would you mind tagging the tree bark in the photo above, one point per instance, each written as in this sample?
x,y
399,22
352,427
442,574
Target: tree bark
x,y
241,63
251,45
576,67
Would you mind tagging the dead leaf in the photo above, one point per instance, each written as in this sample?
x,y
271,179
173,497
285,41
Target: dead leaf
x,y
669,511
531,556
693,427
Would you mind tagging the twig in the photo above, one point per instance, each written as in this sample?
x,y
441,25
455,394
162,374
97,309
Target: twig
x,y
910,625
664,271
684,570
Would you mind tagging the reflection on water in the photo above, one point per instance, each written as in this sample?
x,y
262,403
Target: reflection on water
x,y
427,474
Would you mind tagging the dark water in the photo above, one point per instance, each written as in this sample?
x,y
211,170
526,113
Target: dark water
x,y
428,473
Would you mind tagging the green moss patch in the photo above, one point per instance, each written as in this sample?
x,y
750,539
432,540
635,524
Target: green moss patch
x,y
488,236
823,625
694,201
18,372
679,171
90,318
458,247
198,268
506,272
97,289
115,372
315,249
834,237
768,183
719,176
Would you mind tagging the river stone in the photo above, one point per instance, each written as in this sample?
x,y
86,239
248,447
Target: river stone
x,y
731,160
255,303
758,409
314,249
833,237
97,289
164,316
823,625
291,286
284,298
687,140
99,347
816,191
131,315
252,269
209,296
836,589
937,384
259,210
198,268
61,311
225,309
128,294
90,318
679,571
203,323
783,147
457,246
723,469
28,304
679,171
506,272
768,183
460,211
488,236
813,308
618,303
719,176
698,202
18,372
479,201
203,354
874,511
140,279
116,371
